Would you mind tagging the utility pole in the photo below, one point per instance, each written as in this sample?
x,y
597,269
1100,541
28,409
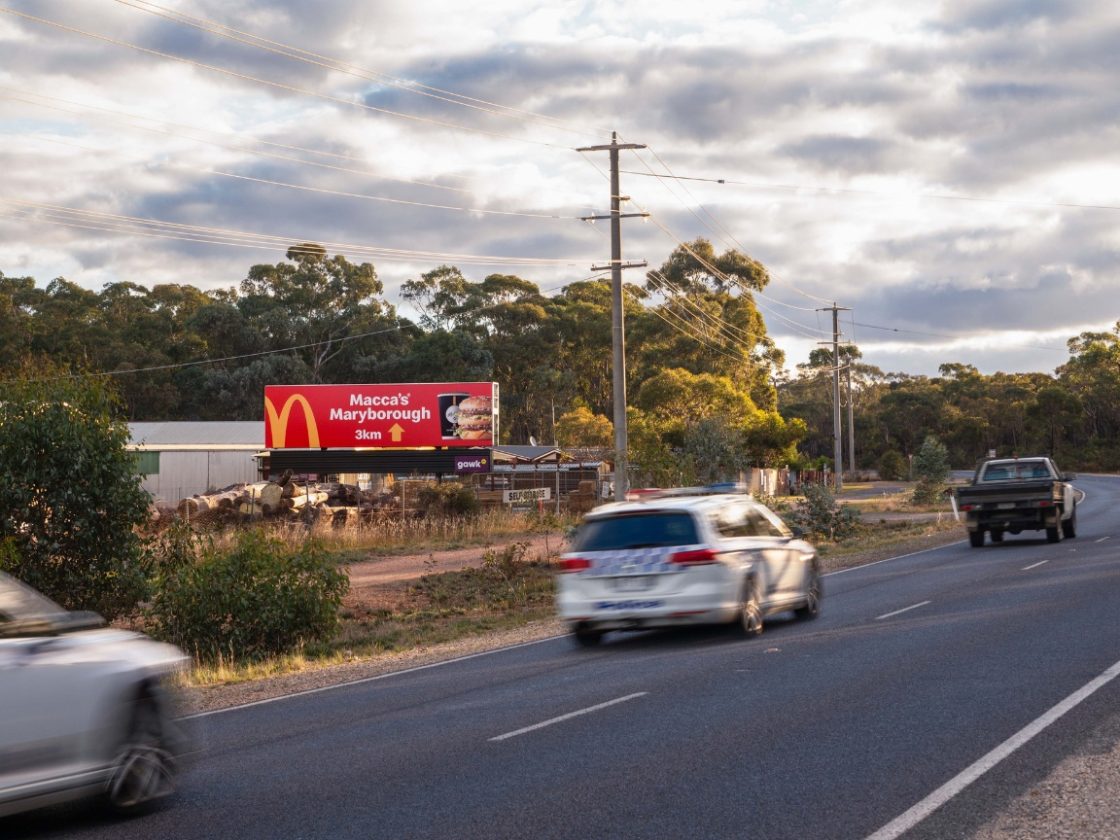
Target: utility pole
x,y
837,437
618,322
851,424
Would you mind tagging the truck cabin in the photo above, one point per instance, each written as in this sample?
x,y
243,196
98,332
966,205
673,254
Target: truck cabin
x,y
1015,470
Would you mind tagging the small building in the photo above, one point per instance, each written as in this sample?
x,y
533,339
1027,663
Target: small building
x,y
179,459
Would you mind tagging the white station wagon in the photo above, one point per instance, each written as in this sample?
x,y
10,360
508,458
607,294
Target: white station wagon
x,y
83,710
678,559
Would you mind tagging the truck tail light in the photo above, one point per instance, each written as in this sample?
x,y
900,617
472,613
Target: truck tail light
x,y
967,507
1046,503
699,557
574,564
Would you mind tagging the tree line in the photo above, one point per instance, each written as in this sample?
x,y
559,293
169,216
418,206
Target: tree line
x,y
707,388
1072,414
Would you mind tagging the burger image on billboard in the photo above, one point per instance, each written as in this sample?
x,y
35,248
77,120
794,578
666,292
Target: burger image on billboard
x,y
475,418
449,413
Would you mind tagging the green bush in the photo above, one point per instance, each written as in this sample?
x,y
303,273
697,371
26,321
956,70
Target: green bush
x,y
820,515
892,466
447,499
70,496
258,598
931,466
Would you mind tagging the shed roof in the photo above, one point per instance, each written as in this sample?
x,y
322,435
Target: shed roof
x,y
214,434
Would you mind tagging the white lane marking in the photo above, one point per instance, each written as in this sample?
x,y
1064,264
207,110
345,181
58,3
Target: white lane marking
x,y
901,611
568,716
374,678
1102,539
1034,565
907,820
889,559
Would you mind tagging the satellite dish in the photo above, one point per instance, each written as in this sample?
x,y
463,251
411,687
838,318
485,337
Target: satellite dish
x,y
532,441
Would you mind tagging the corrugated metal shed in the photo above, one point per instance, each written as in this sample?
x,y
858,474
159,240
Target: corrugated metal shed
x,y
219,434
181,459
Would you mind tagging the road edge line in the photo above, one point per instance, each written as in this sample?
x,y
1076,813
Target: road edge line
x,y
373,678
889,559
918,812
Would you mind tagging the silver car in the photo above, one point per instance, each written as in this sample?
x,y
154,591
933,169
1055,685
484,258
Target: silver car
x,y
695,558
84,708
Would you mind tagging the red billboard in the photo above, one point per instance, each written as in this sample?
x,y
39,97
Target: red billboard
x,y
390,416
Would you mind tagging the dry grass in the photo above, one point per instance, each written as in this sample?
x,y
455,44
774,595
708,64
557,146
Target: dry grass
x,y
412,535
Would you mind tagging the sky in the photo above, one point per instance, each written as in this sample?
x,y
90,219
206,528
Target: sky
x,y
946,173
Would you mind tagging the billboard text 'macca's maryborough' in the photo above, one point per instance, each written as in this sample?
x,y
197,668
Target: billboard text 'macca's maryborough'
x,y
426,414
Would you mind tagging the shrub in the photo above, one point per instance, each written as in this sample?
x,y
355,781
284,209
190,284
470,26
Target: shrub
x,y
892,466
70,496
256,599
820,515
931,465
447,499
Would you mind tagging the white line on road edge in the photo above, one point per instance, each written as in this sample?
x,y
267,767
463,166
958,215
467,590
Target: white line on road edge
x,y
947,791
889,559
1102,539
901,611
568,716
374,678
1034,565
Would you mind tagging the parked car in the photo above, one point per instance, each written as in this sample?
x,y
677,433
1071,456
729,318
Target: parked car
x,y
1012,495
684,557
84,707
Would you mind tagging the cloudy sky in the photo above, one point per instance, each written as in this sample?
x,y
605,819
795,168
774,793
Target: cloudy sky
x,y
947,172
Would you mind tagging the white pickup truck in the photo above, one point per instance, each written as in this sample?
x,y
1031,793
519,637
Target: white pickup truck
x,y
1011,495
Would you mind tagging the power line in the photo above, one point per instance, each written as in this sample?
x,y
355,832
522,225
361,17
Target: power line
x,y
277,85
946,335
18,96
719,226
343,193
883,194
316,59
198,362
140,226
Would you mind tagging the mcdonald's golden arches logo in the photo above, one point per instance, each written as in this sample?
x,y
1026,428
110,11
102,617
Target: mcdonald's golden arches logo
x,y
278,423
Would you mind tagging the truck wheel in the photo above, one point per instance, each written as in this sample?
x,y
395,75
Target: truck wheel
x,y
1054,534
1069,527
976,538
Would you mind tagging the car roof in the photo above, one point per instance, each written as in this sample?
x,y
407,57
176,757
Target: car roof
x,y
711,501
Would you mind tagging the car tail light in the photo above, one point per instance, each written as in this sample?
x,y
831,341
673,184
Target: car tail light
x,y
574,564
699,557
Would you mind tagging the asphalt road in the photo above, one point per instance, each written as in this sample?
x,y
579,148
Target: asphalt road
x,y
918,668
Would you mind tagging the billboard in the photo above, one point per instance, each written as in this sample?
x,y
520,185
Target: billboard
x,y
452,414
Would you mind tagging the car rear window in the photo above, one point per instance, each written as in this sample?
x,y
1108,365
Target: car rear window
x,y
637,530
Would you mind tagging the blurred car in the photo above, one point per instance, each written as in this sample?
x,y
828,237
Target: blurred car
x,y
690,556
83,708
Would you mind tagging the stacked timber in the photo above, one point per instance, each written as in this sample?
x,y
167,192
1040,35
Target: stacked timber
x,y
341,505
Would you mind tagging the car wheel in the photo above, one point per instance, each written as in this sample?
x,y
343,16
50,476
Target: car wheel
x,y
1069,527
976,539
587,637
1054,534
812,606
997,536
144,770
750,611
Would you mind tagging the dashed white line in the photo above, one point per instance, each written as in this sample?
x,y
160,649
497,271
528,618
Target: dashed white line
x,y
901,611
1102,539
1035,565
568,716
904,822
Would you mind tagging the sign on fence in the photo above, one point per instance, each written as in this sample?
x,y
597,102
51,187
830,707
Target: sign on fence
x,y
521,497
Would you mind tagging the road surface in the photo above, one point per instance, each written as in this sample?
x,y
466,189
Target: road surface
x,y
932,690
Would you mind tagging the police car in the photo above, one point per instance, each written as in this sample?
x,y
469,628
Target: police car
x,y
684,557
